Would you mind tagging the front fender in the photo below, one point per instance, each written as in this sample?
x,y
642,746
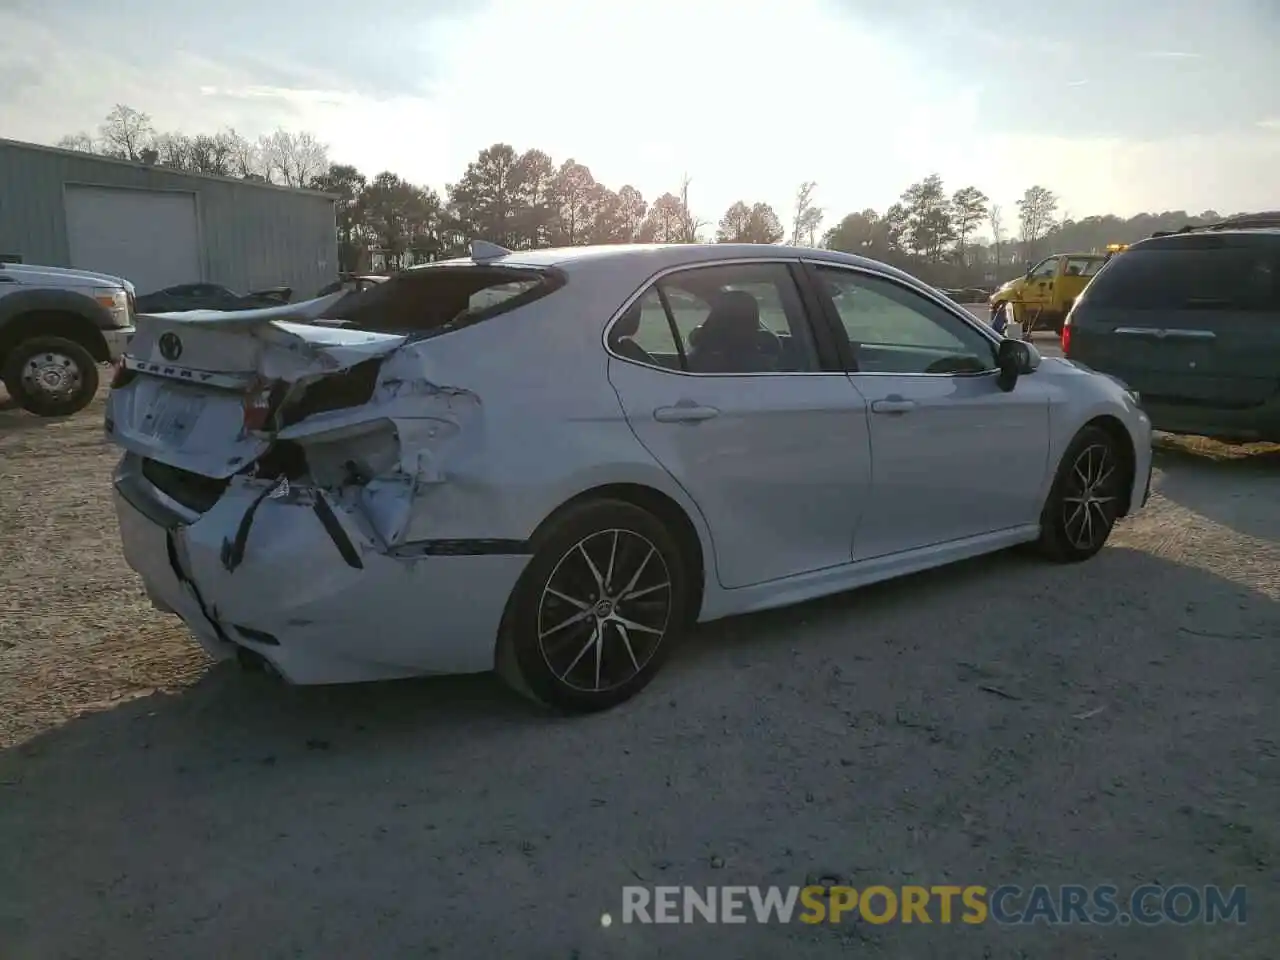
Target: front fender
x,y
47,300
1083,396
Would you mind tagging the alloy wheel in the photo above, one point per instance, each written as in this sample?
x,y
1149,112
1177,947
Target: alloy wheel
x,y
1090,497
604,610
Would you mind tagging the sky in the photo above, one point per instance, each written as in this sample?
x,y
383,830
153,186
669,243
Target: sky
x,y
1118,107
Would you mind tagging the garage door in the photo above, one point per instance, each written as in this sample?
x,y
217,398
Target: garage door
x,y
150,238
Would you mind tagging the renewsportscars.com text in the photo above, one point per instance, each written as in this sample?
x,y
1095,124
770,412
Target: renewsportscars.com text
x,y
943,904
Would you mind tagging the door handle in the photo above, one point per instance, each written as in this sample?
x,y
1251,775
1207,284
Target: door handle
x,y
684,413
893,405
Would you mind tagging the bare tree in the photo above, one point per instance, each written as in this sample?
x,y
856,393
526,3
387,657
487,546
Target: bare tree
x,y
995,218
295,159
1035,216
79,142
244,158
690,226
126,133
174,150
807,218
210,154
810,224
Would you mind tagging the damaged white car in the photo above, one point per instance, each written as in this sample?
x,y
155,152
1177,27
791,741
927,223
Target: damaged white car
x,y
551,462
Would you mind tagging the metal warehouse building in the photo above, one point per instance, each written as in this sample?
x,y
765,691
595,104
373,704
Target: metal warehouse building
x,y
158,227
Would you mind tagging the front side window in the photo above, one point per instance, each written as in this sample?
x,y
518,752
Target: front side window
x,y
1045,269
739,318
893,329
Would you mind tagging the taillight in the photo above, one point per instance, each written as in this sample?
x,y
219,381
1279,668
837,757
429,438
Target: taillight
x,y
120,374
1066,338
257,406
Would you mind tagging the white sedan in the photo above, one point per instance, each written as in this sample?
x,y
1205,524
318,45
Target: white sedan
x,y
551,462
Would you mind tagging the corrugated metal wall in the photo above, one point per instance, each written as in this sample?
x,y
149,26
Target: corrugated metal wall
x,y
253,235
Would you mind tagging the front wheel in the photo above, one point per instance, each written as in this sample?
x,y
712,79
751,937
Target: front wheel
x,y
596,611
51,376
1084,502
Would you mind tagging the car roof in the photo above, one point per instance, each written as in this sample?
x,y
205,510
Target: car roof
x,y
1195,239
661,256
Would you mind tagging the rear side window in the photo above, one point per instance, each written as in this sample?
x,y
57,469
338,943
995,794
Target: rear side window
x,y
1083,266
744,318
433,300
1189,278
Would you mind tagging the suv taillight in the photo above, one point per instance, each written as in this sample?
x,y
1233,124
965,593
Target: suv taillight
x,y
1066,336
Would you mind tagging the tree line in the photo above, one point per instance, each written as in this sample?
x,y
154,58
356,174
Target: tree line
x,y
524,199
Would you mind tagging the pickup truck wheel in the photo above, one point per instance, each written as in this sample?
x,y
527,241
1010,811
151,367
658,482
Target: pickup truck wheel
x,y
50,376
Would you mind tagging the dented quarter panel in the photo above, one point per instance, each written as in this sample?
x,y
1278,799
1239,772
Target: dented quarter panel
x,y
529,437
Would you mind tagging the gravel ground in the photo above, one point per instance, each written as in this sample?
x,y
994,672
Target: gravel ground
x,y
1001,721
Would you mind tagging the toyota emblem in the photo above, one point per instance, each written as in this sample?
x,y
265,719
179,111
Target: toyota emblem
x,y
170,346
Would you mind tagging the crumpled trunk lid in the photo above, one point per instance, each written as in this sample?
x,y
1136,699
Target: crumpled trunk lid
x,y
185,386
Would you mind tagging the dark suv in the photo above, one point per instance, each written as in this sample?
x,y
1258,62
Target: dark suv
x,y
1191,322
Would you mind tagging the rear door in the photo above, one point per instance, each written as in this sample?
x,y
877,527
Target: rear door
x,y
720,377
1076,275
1192,319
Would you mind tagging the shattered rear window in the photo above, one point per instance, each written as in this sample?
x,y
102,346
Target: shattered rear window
x,y
438,299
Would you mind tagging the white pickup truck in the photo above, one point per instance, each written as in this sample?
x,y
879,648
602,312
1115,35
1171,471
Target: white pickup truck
x,y
56,326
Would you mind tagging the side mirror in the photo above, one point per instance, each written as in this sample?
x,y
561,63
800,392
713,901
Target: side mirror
x,y
1015,358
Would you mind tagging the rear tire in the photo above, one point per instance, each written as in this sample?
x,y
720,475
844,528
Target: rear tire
x,y
597,610
50,376
1083,504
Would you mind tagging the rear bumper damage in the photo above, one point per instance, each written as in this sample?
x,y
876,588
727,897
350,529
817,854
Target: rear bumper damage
x,y
303,578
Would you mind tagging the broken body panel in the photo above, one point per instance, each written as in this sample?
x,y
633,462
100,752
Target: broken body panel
x,y
331,498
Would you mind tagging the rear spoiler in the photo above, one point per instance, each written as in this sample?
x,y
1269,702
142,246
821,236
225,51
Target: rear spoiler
x,y
302,312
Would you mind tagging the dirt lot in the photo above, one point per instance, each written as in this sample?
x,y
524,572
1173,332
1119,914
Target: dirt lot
x,y
1002,721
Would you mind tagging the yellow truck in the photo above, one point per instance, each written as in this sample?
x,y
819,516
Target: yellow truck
x,y
1042,297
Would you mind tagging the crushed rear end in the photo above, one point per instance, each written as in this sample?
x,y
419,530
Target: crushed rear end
x,y
273,475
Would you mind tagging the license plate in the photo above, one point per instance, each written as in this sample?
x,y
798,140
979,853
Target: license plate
x,y
172,416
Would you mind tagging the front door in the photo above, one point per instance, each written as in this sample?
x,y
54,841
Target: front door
x,y
1038,292
953,455
720,379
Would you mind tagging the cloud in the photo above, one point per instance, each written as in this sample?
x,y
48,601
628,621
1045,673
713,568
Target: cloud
x,y
610,85
284,95
1172,55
